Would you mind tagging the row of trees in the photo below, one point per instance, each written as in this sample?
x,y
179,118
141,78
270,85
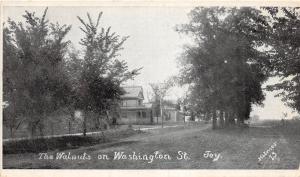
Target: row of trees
x,y
235,51
43,74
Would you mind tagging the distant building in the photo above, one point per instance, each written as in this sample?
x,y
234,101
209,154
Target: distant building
x,y
171,114
133,110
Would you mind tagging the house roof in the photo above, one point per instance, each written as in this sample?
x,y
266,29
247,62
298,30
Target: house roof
x,y
133,92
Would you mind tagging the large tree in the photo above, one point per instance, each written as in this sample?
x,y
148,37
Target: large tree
x,y
33,77
12,113
159,92
222,66
102,72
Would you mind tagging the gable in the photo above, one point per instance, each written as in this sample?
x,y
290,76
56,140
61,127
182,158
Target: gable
x,y
133,92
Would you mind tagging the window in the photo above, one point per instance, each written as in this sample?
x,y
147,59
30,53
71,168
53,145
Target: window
x,y
124,103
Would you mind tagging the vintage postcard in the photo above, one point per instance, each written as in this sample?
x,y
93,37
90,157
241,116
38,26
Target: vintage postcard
x,y
186,88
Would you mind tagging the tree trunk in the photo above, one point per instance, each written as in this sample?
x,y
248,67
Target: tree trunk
x,y
32,130
226,119
84,123
222,119
41,125
240,118
214,120
69,126
206,117
52,128
97,123
12,132
114,120
192,116
161,114
33,126
72,115
41,128
239,122
231,119
107,121
151,116
72,118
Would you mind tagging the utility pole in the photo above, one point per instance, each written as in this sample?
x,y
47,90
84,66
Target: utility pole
x,y
161,113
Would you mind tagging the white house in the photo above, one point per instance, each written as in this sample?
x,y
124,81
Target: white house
x,y
133,110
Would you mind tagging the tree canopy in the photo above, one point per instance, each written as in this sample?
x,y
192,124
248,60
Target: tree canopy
x,y
35,83
43,73
284,47
224,66
99,88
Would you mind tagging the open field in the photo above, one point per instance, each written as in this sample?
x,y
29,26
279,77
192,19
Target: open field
x,y
182,147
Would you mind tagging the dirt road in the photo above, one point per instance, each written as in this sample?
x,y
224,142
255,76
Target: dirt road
x,y
185,147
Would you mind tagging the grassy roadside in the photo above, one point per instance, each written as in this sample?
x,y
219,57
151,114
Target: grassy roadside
x,y
239,149
65,142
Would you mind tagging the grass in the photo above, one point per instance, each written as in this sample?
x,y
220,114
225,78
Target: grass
x,y
239,148
62,143
46,144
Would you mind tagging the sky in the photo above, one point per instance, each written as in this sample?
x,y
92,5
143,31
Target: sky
x,y
152,44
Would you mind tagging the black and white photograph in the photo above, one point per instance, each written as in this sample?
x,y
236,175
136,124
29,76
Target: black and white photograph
x,y
151,87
